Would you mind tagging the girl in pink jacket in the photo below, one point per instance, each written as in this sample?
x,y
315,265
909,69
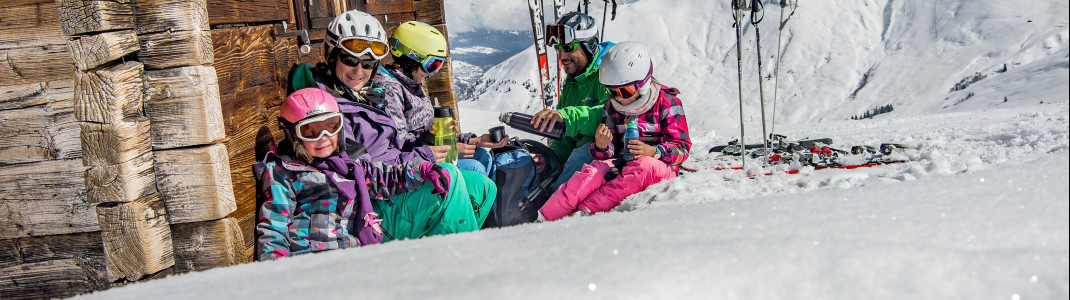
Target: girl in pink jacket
x,y
623,168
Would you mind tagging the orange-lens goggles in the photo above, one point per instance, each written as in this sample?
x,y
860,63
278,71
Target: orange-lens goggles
x,y
359,47
313,128
624,92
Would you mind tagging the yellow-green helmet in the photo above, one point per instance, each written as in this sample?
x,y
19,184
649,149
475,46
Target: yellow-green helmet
x,y
417,40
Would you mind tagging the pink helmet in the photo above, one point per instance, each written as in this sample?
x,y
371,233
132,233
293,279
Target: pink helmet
x,y
307,102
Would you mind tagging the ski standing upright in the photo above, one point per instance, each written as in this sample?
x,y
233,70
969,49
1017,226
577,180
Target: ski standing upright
x,y
545,85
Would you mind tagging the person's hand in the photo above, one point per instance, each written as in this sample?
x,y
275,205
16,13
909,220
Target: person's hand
x,y
440,152
545,119
437,176
602,136
641,149
465,150
540,162
485,141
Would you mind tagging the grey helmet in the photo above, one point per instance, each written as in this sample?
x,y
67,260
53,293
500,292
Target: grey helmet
x,y
354,24
625,63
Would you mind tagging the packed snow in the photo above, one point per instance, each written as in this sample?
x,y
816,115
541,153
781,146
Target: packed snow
x,y
982,210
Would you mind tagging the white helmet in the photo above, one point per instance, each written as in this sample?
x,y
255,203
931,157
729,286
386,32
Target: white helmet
x,y
626,63
356,25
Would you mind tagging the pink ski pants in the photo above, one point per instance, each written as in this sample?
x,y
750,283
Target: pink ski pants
x,y
589,192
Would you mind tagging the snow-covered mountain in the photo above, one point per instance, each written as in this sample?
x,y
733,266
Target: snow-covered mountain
x,y
840,59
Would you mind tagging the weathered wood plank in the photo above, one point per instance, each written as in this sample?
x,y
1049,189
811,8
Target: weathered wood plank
x,y
247,126
391,21
249,11
23,218
380,7
108,95
35,64
29,23
168,49
430,11
183,104
245,57
195,183
37,123
204,245
85,16
46,180
95,50
171,15
247,225
86,247
123,182
136,237
114,143
49,279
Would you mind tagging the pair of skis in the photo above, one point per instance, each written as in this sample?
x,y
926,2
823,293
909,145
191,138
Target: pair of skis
x,y
817,153
548,87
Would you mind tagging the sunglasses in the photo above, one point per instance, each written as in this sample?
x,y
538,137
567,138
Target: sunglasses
x,y
353,62
567,48
358,47
313,128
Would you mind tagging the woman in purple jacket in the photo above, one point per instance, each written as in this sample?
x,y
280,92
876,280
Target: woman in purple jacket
x,y
620,168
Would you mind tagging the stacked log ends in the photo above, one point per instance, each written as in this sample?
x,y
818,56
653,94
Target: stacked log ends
x,y
173,33
195,183
136,237
87,16
183,104
205,245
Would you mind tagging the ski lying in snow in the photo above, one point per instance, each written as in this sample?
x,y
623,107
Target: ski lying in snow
x,y
547,88
816,153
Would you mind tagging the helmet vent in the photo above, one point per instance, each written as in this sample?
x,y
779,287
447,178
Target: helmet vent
x,y
367,29
353,29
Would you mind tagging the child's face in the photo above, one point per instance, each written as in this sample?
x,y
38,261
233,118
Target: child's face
x,y
625,101
323,147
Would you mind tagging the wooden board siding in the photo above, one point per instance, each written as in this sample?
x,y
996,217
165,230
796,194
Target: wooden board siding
x,y
29,23
248,11
37,123
52,266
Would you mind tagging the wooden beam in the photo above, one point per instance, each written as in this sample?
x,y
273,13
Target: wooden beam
x,y
49,279
136,237
108,95
95,50
430,11
114,143
86,16
37,123
168,49
171,15
381,7
35,64
29,23
249,11
210,244
123,182
195,183
183,104
44,198
247,122
87,247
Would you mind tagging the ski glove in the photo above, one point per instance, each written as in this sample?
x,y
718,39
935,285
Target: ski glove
x,y
437,176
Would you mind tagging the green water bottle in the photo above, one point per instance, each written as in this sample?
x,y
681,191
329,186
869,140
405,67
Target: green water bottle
x,y
443,131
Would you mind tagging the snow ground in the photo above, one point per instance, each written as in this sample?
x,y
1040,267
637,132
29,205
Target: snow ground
x,y
981,211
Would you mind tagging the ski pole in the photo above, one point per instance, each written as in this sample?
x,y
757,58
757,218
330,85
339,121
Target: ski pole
x,y
755,18
780,39
737,16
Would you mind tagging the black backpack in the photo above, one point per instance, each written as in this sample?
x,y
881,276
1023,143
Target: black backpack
x,y
521,191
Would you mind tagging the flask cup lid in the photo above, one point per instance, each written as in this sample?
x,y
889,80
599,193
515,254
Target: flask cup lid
x,y
443,112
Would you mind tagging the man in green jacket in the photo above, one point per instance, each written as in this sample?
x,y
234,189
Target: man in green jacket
x,y
575,36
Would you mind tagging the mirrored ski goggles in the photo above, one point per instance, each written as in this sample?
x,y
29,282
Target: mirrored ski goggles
x,y
432,64
353,62
358,47
313,128
557,34
567,48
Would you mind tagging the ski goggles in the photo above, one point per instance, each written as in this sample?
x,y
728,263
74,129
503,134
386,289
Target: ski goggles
x,y
432,64
358,47
313,128
629,90
559,34
567,48
353,62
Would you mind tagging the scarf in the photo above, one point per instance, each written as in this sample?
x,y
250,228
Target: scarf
x,y
343,173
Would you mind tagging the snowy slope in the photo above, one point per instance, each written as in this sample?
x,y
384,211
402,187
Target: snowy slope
x,y
841,58
980,213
